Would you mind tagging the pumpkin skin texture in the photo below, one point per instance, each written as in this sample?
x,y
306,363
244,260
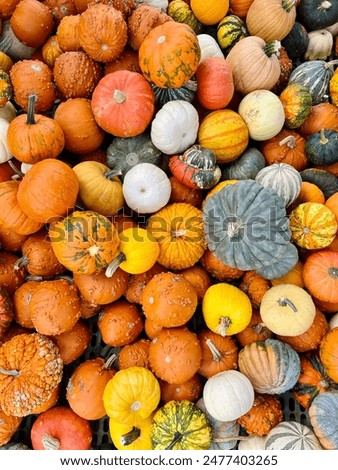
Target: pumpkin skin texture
x,y
60,428
287,310
175,227
180,11
218,353
131,395
273,367
84,242
102,32
217,269
283,178
316,14
320,275
180,425
134,354
226,309
39,374
6,311
59,192
9,426
225,132
297,102
264,415
211,13
321,147
313,225
328,353
255,286
291,435
255,331
129,437
230,30
323,418
73,343
169,55
245,167
116,97
326,181
322,116
189,390
175,355
286,147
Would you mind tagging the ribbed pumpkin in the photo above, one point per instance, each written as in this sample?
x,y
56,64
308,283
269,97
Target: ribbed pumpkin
x,y
313,225
265,413
286,147
323,418
320,275
297,101
225,132
169,55
291,435
321,147
333,88
180,11
218,353
230,30
129,437
322,116
328,353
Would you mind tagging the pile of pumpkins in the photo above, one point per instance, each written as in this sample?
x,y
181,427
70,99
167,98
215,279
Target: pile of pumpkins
x,y
169,185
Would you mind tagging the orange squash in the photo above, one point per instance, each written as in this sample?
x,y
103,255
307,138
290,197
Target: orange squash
x,y
286,147
218,353
328,351
320,276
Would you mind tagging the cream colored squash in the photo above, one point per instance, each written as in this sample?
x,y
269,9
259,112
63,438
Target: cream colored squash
x,y
252,443
160,4
287,310
5,153
209,47
319,46
333,323
8,111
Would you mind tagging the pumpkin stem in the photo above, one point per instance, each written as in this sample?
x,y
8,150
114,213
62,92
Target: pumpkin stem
x,y
323,139
50,443
288,5
31,109
333,272
177,437
216,355
290,141
109,361
272,47
65,277
119,96
284,302
325,5
234,228
330,64
18,173
114,172
224,324
20,263
113,265
130,436
79,207
12,373
31,277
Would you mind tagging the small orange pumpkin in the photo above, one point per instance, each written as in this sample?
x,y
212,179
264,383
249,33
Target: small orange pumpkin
x,y
217,269
190,390
265,413
255,331
199,278
135,354
137,283
286,147
320,275
255,287
218,353
73,343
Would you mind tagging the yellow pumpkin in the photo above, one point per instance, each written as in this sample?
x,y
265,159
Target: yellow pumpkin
x,y
130,437
333,87
313,225
226,309
210,12
131,395
139,251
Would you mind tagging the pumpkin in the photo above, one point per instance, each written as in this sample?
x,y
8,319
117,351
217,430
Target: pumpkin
x,y
319,46
224,222
81,132
134,354
38,81
11,241
255,286
291,435
199,278
218,353
59,193
21,300
175,355
175,127
265,413
333,88
61,8
11,277
119,94
28,363
189,390
34,137
309,192
252,443
185,92
221,392
6,90
51,50
280,16
209,14
240,7
245,167
322,116
313,379
76,74
137,283
12,46
286,147
100,189
152,328
8,427
32,33
8,111
180,425
321,147
86,385
102,32
130,437
120,323
226,309
178,228
326,181
255,331
180,12
225,132
215,87
146,188
123,153
254,64
84,242
296,41
6,311
182,193
60,428
230,30
5,154
322,413
316,14
169,54
74,342
196,167
217,269
297,101
313,225
169,299
257,108
67,33
331,203
131,395
273,367
328,353
209,47
127,60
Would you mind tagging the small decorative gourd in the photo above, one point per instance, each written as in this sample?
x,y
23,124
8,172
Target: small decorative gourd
x,y
282,178
319,46
291,435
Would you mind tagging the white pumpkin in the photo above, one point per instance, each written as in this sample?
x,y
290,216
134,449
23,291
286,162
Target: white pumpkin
x,y
209,47
228,395
263,113
282,178
8,111
333,323
160,4
146,188
319,46
175,127
291,435
5,153
252,443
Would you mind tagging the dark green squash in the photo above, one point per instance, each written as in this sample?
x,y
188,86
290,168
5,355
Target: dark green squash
x,y
230,30
124,153
186,92
296,42
325,181
317,14
321,148
245,167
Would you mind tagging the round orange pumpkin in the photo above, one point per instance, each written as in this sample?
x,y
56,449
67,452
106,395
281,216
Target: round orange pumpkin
x,y
320,275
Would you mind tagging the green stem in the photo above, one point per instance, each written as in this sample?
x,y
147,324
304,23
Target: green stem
x,y
288,5
323,139
20,263
113,265
114,172
272,47
216,355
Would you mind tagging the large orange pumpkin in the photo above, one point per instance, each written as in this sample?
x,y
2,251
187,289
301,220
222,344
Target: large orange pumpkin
x,y
320,274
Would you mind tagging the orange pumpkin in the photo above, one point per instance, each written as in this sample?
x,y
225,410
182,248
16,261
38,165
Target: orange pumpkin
x,y
181,193
190,390
328,352
11,276
127,60
217,269
320,275
67,33
255,287
50,51
286,147
135,354
322,116
137,283
265,413
151,328
199,278
8,427
10,240
21,300
294,276
332,204
73,343
240,7
255,331
219,353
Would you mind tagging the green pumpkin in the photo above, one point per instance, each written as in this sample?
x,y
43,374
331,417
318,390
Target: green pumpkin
x,y
296,42
323,414
180,425
297,103
230,30
186,93
180,12
317,14
125,152
326,182
245,167
321,148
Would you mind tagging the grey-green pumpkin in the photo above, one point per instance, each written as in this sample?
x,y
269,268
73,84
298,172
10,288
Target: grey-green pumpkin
x,y
245,167
321,147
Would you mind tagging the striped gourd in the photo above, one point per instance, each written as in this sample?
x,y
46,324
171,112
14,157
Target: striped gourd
x,y
229,31
333,88
296,100
283,178
315,75
185,92
291,435
225,132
